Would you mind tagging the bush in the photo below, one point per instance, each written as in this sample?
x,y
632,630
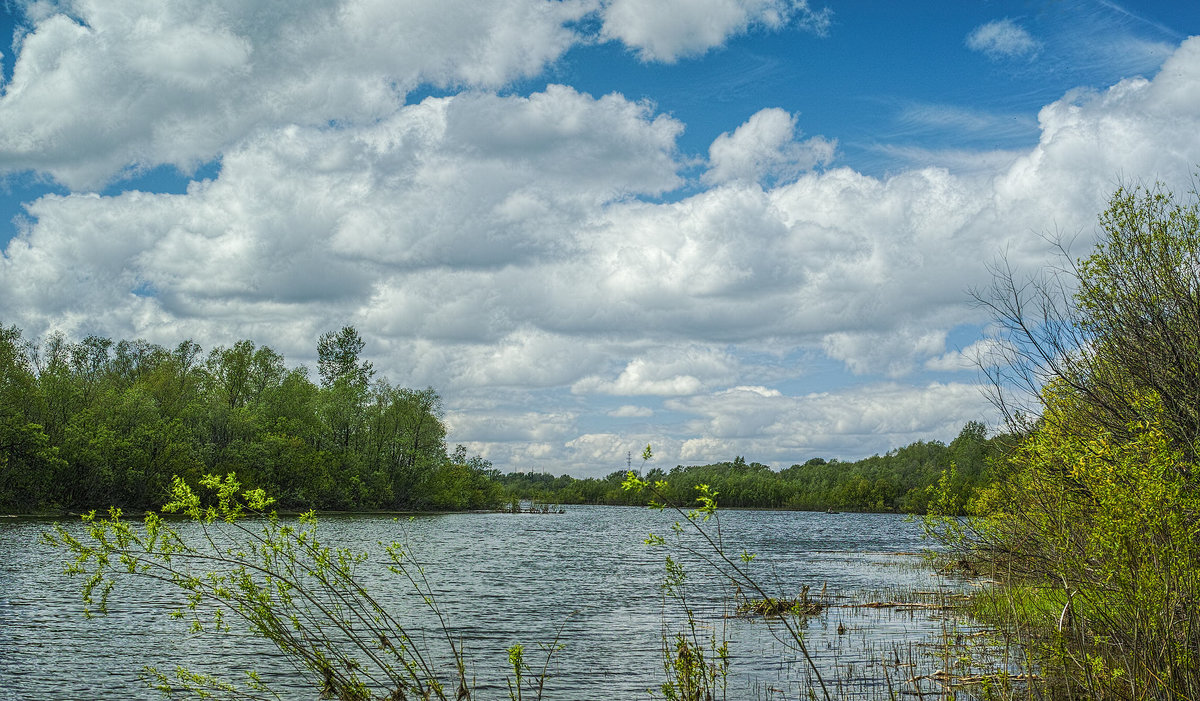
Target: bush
x,y
1099,500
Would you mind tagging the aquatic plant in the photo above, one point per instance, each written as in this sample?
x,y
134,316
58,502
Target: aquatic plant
x,y
780,606
241,565
687,670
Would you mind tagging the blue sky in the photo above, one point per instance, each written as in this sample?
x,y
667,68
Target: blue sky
x,y
724,227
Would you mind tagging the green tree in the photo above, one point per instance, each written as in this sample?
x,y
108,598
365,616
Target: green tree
x,y
229,370
338,358
28,461
1097,510
1123,319
91,422
345,384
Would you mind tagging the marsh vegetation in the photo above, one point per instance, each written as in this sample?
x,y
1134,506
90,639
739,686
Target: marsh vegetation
x,y
1089,527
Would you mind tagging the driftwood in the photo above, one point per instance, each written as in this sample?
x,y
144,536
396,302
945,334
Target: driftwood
x,y
899,605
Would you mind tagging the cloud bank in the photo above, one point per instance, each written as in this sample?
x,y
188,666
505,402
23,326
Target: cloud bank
x,y
541,258
101,90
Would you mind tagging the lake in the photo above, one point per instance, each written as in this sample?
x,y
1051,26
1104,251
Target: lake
x,y
508,578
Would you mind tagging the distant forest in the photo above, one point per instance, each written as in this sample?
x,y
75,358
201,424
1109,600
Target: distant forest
x,y
93,423
905,479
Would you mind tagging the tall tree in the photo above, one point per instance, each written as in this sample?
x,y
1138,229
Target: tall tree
x,y
1123,321
28,462
338,358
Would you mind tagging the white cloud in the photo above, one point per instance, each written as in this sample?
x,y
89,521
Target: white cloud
x,y
740,412
603,453
665,372
960,161
523,358
848,424
116,86
496,425
629,411
765,147
1003,38
953,117
667,30
893,353
980,354
496,247
491,241
100,89
967,129
408,224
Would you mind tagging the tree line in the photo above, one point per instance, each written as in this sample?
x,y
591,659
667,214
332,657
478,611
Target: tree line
x,y
95,422
904,479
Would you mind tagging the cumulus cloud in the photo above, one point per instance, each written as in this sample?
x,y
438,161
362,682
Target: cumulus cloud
x,y
524,358
514,247
112,87
403,220
849,424
522,427
102,90
980,354
630,411
667,30
604,453
893,353
665,372
495,241
1003,39
765,147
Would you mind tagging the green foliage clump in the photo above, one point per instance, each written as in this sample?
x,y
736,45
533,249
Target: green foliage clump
x,y
904,480
237,566
95,422
1093,523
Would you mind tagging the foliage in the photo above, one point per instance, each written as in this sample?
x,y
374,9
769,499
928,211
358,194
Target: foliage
x,y
338,359
28,460
904,479
1111,525
96,422
1098,508
237,565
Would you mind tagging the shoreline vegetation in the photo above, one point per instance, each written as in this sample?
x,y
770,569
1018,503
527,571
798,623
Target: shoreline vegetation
x,y
92,423
1090,529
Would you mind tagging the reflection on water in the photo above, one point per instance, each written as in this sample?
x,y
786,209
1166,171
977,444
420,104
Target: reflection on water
x,y
502,579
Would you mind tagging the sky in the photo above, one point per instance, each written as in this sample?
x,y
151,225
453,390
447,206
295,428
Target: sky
x,y
719,227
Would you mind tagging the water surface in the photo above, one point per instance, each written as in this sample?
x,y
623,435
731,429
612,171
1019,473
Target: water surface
x,y
503,579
